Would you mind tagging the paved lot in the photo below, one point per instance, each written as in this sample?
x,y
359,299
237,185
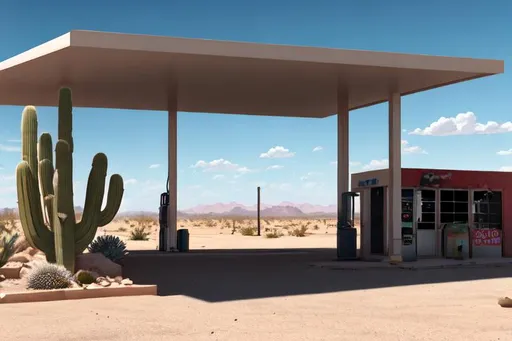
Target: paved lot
x,y
277,296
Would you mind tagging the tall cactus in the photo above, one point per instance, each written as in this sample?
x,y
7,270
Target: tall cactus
x,y
45,193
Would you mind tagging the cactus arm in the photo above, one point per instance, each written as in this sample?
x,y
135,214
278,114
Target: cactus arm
x,y
29,138
45,183
88,225
31,215
64,213
114,198
45,148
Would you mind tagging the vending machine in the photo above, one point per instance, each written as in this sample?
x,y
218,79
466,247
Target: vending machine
x,y
408,225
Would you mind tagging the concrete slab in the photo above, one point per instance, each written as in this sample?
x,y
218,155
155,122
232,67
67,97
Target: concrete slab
x,y
438,263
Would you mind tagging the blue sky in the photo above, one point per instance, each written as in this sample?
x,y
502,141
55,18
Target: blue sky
x,y
135,141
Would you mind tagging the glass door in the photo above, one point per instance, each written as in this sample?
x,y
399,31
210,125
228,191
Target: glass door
x,y
426,222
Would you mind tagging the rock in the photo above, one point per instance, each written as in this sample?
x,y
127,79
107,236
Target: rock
x,y
100,279
25,271
93,286
110,279
75,285
11,270
2,278
21,244
31,251
105,284
21,257
98,263
505,302
126,281
115,284
118,279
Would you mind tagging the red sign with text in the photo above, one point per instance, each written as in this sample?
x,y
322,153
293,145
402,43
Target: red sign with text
x,y
486,237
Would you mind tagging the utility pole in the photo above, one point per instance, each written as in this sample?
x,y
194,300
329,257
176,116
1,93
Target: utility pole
x,y
259,223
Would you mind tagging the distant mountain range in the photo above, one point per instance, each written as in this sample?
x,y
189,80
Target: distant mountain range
x,y
284,209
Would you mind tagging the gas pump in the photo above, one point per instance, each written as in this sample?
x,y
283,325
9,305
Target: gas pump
x,y
162,219
346,245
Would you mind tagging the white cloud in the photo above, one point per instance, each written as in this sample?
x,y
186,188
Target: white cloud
x,y
130,182
274,167
505,152
153,166
318,148
309,176
14,141
505,169
277,152
220,165
408,149
218,177
376,164
5,148
463,124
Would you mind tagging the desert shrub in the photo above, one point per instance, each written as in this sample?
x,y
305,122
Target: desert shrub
x,y
110,246
122,229
139,233
7,248
47,276
248,231
316,227
85,277
299,232
275,233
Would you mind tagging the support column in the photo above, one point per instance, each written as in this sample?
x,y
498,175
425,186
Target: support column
x,y
343,135
172,146
395,179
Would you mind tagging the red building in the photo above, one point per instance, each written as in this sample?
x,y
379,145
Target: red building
x,y
433,200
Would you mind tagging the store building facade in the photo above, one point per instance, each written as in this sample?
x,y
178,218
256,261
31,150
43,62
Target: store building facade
x,y
433,199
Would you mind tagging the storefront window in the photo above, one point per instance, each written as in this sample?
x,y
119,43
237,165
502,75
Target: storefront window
x,y
454,206
487,211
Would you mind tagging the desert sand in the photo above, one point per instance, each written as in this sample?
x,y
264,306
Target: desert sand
x,y
277,297
271,296
218,233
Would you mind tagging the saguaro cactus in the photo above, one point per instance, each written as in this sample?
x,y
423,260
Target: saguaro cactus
x,y
45,193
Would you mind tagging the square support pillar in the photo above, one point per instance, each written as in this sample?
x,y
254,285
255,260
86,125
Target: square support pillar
x,y
172,145
395,179
343,146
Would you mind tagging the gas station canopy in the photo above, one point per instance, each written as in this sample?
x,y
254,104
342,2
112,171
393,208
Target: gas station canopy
x,y
127,71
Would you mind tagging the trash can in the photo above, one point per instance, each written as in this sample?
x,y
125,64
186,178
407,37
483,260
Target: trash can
x,y
456,241
183,240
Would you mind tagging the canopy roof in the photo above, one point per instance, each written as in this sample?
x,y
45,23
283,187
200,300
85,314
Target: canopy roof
x,y
127,71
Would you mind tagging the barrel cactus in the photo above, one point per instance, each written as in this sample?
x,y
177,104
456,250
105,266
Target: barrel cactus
x,y
45,191
47,276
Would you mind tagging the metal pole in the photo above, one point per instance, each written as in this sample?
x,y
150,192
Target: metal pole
x,y
259,224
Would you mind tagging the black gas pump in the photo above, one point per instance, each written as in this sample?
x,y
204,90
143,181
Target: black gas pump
x,y
346,243
162,218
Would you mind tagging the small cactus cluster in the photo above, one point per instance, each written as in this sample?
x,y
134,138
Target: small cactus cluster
x,y
110,246
48,276
45,190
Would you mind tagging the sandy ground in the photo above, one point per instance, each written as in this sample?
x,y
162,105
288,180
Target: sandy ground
x,y
277,297
218,233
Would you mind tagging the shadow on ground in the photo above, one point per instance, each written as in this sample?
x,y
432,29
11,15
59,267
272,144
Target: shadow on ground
x,y
227,275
